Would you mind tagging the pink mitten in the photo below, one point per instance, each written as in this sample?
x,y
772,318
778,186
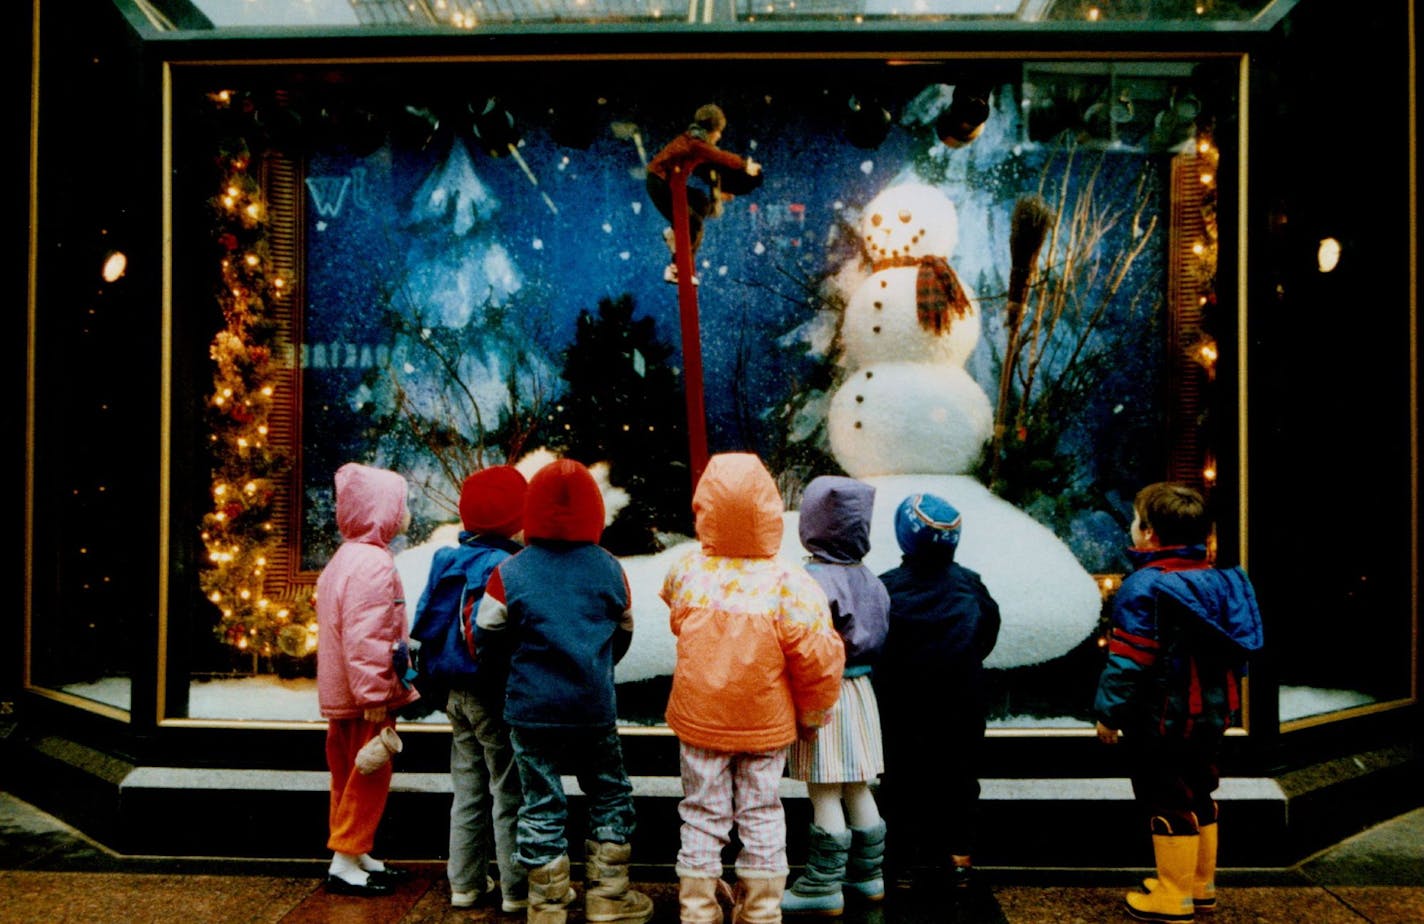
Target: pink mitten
x,y
378,750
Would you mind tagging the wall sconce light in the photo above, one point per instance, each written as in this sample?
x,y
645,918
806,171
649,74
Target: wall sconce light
x,y
116,263
1327,255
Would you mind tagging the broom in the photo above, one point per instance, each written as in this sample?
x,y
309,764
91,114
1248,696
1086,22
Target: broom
x,y
1029,226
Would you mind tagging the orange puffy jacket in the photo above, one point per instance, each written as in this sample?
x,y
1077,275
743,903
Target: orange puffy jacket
x,y
756,652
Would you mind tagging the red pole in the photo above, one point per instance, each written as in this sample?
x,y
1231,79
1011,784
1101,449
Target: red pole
x,y
687,315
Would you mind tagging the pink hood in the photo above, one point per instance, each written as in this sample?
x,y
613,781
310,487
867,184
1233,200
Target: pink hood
x,y
370,504
738,509
360,601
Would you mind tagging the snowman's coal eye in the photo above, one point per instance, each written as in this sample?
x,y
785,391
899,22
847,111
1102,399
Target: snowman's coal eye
x,y
906,215
876,219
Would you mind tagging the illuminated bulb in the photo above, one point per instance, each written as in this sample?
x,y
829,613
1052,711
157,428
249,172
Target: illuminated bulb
x,y
267,390
284,613
1107,583
1209,474
252,259
220,517
1206,179
219,490
115,264
1198,248
1204,147
215,597
262,429
263,603
232,192
252,210
1327,256
277,283
242,442
227,201
1093,14
1207,353
262,561
250,488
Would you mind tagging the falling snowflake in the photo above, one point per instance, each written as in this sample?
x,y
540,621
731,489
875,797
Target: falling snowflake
x,y
759,249
538,243
867,167
607,228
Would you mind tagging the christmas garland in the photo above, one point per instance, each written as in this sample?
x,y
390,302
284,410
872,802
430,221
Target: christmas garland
x,y
238,531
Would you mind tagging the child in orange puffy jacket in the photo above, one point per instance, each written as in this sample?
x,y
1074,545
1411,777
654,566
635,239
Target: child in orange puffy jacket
x,y
758,663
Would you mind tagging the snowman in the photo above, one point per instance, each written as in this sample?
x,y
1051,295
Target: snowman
x,y
909,419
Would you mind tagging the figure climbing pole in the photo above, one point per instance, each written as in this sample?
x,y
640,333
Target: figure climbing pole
x,y
727,175
688,318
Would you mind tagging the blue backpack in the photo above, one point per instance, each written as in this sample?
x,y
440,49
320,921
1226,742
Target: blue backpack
x,y
442,655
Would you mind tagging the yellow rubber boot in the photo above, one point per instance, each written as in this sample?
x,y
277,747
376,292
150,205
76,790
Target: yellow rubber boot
x,y
1204,879
1171,900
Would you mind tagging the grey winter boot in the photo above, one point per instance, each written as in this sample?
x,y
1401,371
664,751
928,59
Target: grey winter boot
x,y
818,889
865,867
550,893
605,884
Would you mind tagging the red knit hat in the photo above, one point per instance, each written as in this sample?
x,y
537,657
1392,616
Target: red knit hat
x,y
492,501
564,503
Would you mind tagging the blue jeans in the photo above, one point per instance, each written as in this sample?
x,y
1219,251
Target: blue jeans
x,y
595,758
487,796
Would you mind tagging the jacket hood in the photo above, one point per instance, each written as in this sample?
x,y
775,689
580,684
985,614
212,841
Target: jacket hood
x,y
1222,599
738,508
835,518
563,504
370,503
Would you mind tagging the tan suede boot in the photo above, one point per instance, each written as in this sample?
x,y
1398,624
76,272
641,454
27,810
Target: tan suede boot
x,y
758,897
550,893
697,900
606,893
1172,899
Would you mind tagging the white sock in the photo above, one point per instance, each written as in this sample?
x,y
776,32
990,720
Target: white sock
x,y
370,864
347,867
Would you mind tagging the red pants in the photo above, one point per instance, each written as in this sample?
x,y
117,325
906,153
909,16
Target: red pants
x,y
357,800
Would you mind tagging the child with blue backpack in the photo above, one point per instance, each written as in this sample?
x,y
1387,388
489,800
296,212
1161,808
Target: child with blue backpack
x,y
482,771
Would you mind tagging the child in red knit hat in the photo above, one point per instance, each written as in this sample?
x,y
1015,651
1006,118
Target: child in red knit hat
x,y
482,772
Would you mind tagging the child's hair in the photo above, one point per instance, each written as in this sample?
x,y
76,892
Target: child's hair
x,y
1175,513
710,118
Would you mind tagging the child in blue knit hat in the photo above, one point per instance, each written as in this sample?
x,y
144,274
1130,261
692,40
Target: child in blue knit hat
x,y
943,624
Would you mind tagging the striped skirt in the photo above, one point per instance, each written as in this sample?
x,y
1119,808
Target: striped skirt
x,y
847,749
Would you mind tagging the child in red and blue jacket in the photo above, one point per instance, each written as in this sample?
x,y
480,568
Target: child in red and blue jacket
x,y
1181,632
565,612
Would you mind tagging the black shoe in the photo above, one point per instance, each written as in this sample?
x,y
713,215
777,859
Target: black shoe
x,y
373,887
391,875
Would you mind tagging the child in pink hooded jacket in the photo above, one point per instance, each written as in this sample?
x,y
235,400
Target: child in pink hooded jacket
x,y
758,662
360,606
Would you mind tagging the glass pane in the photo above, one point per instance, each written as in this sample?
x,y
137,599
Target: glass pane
x,y
437,281
1344,635
95,462
473,14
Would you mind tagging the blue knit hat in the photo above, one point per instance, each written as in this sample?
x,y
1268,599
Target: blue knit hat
x,y
925,523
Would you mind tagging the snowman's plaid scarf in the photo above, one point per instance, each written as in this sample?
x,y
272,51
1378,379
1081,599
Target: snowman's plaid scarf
x,y
937,291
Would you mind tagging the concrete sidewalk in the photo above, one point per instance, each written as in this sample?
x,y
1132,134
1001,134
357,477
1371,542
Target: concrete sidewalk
x,y
52,874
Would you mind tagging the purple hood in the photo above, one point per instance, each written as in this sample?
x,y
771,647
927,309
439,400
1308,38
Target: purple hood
x,y
835,518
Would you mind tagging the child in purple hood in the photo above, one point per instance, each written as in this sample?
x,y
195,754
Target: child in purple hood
x,y
839,762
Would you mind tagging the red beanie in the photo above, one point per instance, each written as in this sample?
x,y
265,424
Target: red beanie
x,y
492,501
564,503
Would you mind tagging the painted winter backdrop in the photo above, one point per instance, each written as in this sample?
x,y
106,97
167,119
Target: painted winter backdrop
x,y
466,309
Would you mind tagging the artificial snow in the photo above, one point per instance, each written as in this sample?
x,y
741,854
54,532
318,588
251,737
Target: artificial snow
x,y
271,699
